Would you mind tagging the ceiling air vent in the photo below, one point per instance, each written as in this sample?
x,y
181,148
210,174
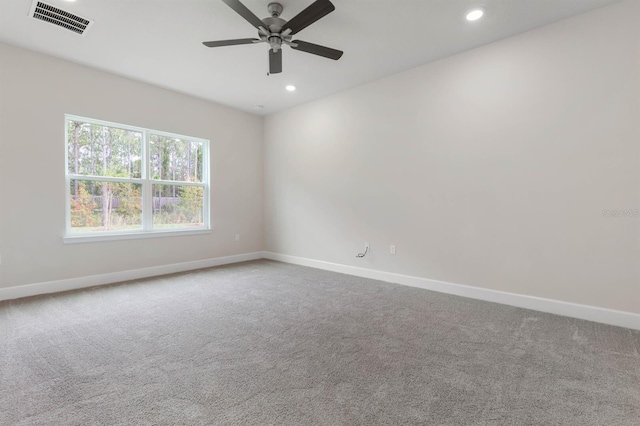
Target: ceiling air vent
x,y
47,13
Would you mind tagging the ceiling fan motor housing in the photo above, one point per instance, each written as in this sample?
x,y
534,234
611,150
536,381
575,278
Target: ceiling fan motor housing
x,y
274,25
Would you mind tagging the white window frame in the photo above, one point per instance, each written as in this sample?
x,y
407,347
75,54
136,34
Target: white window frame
x,y
145,181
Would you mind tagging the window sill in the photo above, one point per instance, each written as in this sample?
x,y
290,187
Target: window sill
x,y
135,235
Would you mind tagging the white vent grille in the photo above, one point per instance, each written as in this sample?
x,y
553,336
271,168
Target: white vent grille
x,y
47,13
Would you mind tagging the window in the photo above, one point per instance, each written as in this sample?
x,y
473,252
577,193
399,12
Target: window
x,y
125,181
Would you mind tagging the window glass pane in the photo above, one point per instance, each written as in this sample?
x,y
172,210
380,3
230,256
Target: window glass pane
x,y
175,159
176,206
95,150
105,206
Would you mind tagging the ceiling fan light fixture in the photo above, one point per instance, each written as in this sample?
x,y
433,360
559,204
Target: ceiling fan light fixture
x,y
475,14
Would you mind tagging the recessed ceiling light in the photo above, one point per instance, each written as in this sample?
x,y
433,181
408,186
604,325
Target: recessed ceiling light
x,y
290,88
475,14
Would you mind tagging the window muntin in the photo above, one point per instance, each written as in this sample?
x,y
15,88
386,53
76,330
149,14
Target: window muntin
x,y
123,180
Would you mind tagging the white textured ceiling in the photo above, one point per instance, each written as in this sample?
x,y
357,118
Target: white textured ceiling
x,y
160,42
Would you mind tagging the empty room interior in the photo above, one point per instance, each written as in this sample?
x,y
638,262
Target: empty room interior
x,y
299,212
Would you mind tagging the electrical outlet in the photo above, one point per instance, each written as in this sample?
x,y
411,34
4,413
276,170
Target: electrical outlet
x,y
392,249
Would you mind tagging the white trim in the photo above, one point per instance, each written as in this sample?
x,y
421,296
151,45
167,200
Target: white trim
x,y
132,235
134,181
114,277
568,309
147,190
67,179
206,178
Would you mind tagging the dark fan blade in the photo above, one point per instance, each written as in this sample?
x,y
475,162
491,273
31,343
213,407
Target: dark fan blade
x,y
275,61
316,49
221,43
311,14
242,10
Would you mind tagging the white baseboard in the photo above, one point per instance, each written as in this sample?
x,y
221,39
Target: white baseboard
x,y
114,277
573,310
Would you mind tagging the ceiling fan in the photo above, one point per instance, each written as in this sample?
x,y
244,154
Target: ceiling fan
x,y
276,31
